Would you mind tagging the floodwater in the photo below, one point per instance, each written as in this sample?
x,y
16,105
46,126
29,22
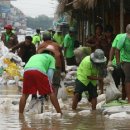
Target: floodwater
x,y
10,120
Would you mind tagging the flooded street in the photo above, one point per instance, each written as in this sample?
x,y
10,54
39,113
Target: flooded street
x,y
10,119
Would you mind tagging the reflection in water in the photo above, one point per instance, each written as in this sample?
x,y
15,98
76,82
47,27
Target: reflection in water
x,y
11,120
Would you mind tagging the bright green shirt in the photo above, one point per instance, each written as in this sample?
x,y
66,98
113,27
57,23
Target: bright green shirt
x,y
58,38
36,39
41,62
86,69
69,45
124,45
114,45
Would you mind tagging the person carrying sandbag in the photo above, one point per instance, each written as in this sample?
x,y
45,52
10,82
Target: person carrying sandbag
x,y
87,77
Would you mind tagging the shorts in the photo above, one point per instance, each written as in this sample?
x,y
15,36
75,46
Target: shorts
x,y
118,75
57,78
71,61
35,81
80,88
126,69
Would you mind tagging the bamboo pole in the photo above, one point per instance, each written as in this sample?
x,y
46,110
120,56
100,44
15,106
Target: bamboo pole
x,y
121,16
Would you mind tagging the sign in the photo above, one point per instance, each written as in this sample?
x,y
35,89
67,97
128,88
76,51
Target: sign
x,y
4,9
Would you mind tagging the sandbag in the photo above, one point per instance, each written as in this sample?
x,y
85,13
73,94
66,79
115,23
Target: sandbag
x,y
112,93
81,52
62,93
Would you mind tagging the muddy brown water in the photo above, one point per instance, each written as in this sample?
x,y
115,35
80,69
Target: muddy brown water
x,y
10,120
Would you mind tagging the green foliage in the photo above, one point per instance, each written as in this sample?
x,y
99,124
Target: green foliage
x,y
43,22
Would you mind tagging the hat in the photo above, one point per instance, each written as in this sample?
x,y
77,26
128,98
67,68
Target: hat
x,y
8,26
71,29
46,35
98,56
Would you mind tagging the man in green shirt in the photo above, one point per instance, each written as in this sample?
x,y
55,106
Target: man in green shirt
x,y
117,74
69,47
124,47
88,74
37,38
58,38
8,37
38,76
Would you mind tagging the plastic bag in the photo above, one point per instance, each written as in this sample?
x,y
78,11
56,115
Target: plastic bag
x,y
112,93
62,93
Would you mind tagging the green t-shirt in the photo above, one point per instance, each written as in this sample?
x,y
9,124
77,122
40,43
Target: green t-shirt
x,y
69,45
114,45
36,39
41,62
86,69
58,38
124,46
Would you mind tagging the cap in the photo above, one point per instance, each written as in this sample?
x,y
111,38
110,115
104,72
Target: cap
x,y
98,56
8,26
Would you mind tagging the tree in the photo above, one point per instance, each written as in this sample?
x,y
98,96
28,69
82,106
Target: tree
x,y
43,22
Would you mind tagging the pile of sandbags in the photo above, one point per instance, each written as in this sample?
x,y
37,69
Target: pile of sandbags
x,y
11,67
70,77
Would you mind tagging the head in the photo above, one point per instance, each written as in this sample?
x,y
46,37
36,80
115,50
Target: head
x,y
128,30
8,28
28,40
38,31
46,36
98,29
72,31
108,31
50,30
98,59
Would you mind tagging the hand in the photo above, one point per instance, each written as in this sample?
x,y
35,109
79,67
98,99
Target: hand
x,y
110,69
109,64
118,66
10,50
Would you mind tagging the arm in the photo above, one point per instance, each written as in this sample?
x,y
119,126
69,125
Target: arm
x,y
3,38
117,56
62,60
16,47
111,54
50,74
41,47
100,79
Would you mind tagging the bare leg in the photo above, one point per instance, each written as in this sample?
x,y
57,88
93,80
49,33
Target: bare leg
x,y
75,101
128,91
56,91
22,103
94,103
55,102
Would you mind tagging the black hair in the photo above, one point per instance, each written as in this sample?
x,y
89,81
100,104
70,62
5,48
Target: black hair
x,y
28,37
46,36
98,25
108,28
38,30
